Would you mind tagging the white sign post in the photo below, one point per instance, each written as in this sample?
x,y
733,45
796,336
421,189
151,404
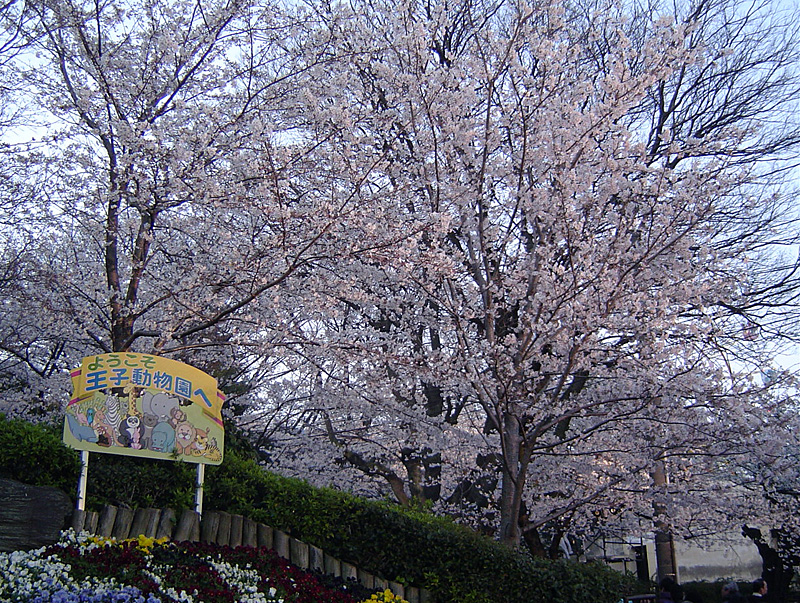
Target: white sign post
x,y
81,506
198,488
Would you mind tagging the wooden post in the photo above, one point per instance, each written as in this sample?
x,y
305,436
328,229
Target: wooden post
x,y
280,542
224,529
106,523
349,571
237,523
265,534
151,526
139,525
365,578
78,520
90,525
316,558
398,589
249,533
331,565
188,527
166,523
122,524
298,553
209,527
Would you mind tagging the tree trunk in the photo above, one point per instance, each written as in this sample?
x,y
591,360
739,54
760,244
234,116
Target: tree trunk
x,y
665,550
775,569
514,469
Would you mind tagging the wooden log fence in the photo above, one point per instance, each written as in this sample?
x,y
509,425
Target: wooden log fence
x,y
233,530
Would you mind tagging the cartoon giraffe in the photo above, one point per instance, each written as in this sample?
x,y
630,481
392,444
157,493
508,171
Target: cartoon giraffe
x,y
132,398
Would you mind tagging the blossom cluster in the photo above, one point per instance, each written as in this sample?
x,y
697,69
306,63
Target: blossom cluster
x,y
83,568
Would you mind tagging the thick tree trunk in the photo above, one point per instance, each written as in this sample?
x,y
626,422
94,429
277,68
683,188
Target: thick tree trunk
x,y
665,550
776,570
514,469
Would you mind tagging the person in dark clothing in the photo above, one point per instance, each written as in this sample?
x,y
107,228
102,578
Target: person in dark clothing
x,y
669,591
693,595
731,594
759,591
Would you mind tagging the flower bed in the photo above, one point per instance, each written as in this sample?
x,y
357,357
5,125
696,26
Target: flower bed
x,y
83,568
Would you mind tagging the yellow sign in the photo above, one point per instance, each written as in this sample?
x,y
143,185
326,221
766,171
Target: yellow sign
x,y
147,406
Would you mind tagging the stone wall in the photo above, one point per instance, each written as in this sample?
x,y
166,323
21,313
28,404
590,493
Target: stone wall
x,y
31,516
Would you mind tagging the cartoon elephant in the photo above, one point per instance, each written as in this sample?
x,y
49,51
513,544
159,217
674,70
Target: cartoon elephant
x,y
159,404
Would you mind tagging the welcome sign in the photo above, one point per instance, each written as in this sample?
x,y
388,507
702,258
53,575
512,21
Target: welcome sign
x,y
146,406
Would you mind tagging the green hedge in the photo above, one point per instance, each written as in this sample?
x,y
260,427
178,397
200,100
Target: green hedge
x,y
36,454
456,564
136,482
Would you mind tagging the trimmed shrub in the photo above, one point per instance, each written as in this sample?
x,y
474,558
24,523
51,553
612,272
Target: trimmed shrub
x,y
453,562
35,455
137,482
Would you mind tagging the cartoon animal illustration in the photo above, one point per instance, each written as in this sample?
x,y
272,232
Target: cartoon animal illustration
x,y
162,438
184,437
104,429
81,432
159,404
132,410
202,447
176,415
136,436
149,421
112,410
130,432
104,437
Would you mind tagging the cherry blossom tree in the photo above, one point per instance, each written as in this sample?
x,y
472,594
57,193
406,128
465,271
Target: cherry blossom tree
x,y
515,261
178,207
600,186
